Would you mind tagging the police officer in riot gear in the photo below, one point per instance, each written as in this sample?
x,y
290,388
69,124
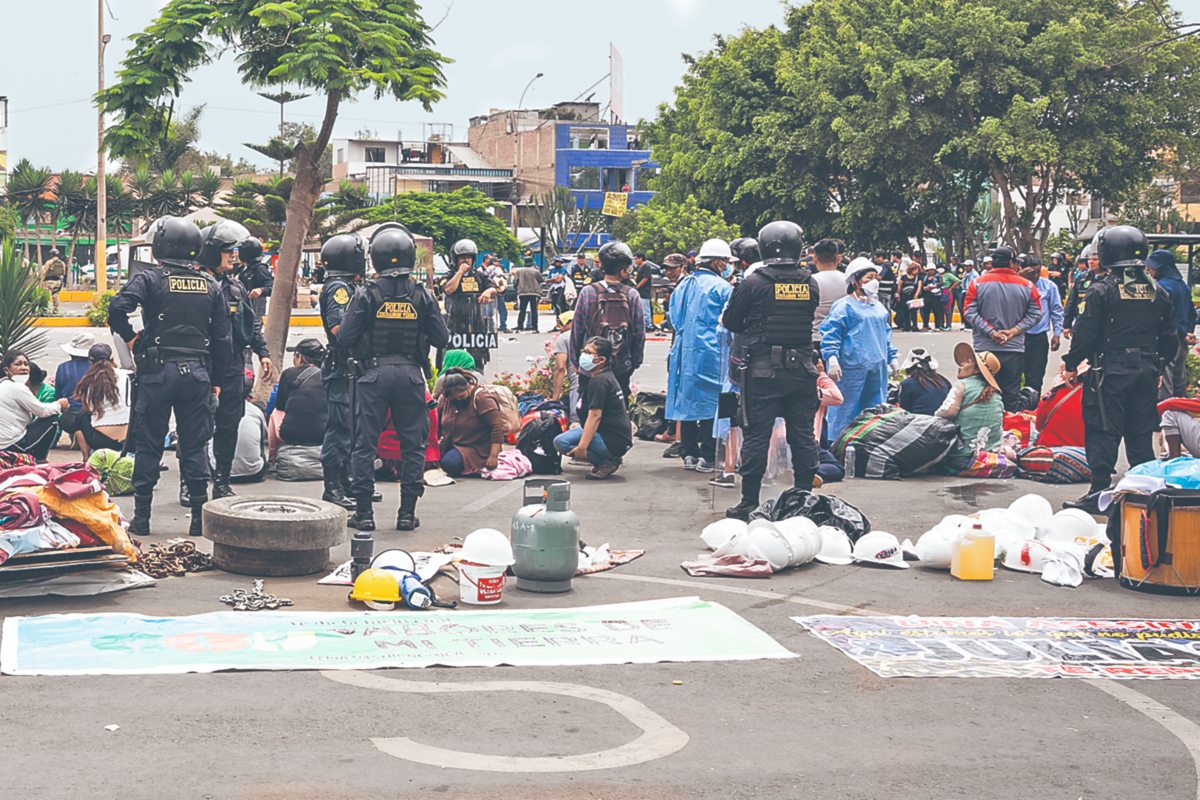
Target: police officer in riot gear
x,y
255,273
218,253
1125,331
344,258
468,290
771,313
392,323
745,255
186,340
1079,289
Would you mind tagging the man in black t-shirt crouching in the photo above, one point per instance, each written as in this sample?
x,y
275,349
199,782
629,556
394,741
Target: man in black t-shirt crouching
x,y
606,434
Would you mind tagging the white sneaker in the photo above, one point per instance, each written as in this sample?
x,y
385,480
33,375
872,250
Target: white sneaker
x,y
690,463
704,465
725,480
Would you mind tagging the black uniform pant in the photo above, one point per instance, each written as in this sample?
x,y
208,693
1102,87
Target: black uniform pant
x,y
935,308
1037,358
336,447
528,311
1122,403
399,388
231,407
182,387
1009,378
697,439
794,398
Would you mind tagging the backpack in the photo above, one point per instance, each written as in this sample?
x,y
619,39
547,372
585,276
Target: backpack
x,y
614,321
507,401
648,413
536,443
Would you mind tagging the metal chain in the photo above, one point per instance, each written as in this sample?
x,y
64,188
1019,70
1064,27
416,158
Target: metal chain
x,y
173,559
254,600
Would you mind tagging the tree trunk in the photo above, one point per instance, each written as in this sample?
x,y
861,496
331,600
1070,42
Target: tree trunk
x,y
305,193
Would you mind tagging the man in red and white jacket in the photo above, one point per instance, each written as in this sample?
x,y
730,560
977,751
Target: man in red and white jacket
x,y
1001,306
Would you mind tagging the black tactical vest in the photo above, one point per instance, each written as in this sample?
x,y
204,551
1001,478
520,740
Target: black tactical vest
x,y
341,291
1134,319
241,312
184,313
787,318
396,322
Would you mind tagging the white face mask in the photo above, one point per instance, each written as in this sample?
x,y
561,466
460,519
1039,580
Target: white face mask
x,y
871,288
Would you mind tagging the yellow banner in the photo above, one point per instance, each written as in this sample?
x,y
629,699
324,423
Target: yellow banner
x,y
616,204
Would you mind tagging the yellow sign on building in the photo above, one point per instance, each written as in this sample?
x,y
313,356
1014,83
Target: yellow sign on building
x,y
616,204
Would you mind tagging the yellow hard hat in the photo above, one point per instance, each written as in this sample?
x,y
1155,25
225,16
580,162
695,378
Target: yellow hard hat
x,y
377,588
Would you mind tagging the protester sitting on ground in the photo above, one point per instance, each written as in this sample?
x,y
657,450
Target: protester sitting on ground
x,y
1161,267
37,384
606,434
472,425
856,345
564,377
975,406
301,409
924,390
27,425
251,450
1181,426
104,394
455,359
70,371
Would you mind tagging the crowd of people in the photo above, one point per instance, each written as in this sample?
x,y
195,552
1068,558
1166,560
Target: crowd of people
x,y
771,343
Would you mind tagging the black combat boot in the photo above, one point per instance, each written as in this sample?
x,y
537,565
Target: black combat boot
x,y
364,514
221,487
185,499
199,493
140,524
407,520
749,503
333,491
348,489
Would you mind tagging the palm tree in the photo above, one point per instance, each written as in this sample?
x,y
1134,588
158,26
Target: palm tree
x,y
19,291
187,191
28,193
141,185
74,203
70,183
166,198
208,183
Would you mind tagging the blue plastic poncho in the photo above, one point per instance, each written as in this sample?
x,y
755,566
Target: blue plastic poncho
x,y
859,335
694,369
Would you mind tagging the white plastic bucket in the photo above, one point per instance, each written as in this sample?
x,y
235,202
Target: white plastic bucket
x,y
480,584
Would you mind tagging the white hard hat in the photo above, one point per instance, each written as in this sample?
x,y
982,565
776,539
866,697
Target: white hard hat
x,y
1098,563
1006,527
720,532
936,546
1028,555
802,535
394,559
858,265
879,547
1035,509
835,546
1070,525
767,542
715,248
487,546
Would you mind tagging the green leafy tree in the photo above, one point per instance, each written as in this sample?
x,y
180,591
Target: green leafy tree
x,y
336,48
176,147
10,222
446,218
66,191
28,193
663,226
207,185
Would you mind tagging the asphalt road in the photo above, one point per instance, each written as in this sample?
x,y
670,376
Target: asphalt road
x,y
817,726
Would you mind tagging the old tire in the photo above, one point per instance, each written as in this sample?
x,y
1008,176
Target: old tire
x,y
273,536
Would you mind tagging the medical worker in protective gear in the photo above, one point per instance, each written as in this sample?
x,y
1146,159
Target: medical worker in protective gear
x,y
694,366
856,344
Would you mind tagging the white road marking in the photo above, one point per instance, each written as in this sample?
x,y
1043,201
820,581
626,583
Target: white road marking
x,y
1180,727
491,497
659,738
717,587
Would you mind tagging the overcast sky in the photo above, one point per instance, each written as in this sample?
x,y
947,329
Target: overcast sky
x,y
48,68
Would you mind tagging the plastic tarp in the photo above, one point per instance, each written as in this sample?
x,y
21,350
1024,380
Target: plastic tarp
x,y
890,443
821,509
298,463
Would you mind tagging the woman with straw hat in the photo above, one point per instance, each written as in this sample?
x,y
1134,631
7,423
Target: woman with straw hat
x,y
974,405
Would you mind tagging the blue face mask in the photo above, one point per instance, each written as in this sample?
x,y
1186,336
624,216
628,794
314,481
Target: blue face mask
x,y
587,362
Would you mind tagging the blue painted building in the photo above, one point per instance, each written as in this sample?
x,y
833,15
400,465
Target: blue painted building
x,y
590,169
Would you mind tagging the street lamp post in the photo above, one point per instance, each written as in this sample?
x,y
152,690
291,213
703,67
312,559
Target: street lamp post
x,y
100,249
517,155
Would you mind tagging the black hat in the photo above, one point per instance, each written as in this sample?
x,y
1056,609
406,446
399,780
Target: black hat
x,y
1002,256
312,349
99,352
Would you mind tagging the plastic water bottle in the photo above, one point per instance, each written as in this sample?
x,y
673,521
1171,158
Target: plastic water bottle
x,y
848,463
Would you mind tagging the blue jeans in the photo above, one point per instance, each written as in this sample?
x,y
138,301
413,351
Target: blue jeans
x,y
648,312
597,452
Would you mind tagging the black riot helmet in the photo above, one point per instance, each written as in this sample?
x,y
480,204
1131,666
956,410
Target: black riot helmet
x,y
223,237
463,247
614,256
175,241
781,242
344,255
390,226
1122,246
745,249
393,252
250,250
